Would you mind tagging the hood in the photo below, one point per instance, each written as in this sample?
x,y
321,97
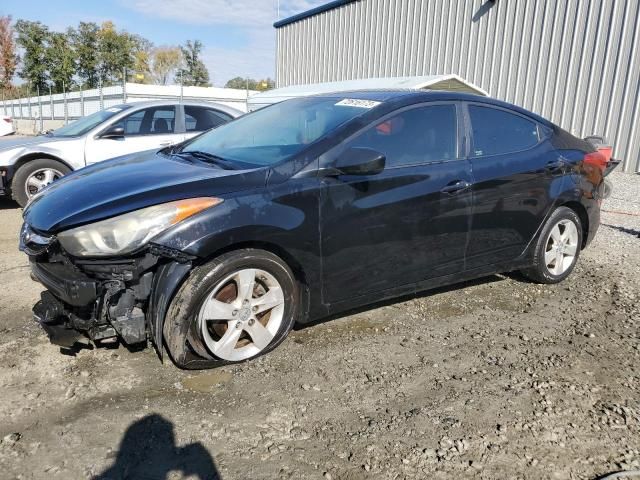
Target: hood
x,y
129,183
9,144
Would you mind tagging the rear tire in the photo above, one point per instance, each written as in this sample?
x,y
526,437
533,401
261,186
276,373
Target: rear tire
x,y
33,176
557,248
216,318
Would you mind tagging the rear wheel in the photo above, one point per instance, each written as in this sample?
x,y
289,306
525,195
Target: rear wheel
x,y
558,247
35,175
235,308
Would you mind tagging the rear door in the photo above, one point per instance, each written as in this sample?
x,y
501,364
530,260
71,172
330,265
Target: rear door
x,y
406,224
515,174
146,129
198,119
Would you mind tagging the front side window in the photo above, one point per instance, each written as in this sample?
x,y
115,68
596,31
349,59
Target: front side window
x,y
416,136
497,131
150,121
84,124
199,119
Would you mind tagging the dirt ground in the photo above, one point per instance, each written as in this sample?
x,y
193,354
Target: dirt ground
x,y
498,378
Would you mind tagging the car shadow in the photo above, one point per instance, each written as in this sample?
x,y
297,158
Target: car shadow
x,y
7,204
630,231
405,298
148,450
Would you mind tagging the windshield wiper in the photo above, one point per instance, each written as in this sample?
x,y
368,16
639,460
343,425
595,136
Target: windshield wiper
x,y
208,157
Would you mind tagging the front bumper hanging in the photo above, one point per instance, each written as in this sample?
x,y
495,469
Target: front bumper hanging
x,y
98,300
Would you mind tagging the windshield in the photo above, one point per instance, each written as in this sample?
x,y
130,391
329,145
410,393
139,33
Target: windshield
x,y
279,131
84,124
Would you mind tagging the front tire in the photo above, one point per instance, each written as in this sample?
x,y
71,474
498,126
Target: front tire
x,y
235,308
33,176
557,248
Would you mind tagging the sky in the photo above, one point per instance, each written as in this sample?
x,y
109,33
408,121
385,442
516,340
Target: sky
x,y
238,35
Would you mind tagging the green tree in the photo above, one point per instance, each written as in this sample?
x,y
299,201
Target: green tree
x,y
8,57
60,60
85,45
237,82
115,52
194,72
164,61
32,38
251,84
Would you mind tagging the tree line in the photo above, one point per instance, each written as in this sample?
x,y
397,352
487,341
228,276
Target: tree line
x,y
91,54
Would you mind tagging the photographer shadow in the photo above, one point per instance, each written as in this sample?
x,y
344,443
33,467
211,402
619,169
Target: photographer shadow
x,y
148,451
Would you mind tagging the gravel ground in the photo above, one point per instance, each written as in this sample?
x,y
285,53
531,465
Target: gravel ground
x,y
497,378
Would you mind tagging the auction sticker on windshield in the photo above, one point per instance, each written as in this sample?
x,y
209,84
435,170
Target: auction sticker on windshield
x,y
355,102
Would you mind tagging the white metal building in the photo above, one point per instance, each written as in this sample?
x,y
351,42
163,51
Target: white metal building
x,y
428,82
576,62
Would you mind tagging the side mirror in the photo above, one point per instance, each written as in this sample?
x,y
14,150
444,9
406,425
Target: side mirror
x,y
360,161
113,132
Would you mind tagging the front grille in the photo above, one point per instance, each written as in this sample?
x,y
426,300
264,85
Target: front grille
x,y
66,282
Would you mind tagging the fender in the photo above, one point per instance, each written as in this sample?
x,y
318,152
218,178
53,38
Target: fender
x,y
257,219
166,281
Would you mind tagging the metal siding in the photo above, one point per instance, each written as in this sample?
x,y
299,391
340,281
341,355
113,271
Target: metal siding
x,y
574,62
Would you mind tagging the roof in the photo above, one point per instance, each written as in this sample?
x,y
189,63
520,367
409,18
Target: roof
x,y
134,102
448,82
310,13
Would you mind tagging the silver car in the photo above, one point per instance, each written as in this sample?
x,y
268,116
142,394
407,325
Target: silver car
x,y
29,164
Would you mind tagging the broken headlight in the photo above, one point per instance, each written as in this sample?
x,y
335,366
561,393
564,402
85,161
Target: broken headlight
x,y
126,233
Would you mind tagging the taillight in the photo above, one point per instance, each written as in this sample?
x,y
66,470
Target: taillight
x,y
597,159
7,119
606,151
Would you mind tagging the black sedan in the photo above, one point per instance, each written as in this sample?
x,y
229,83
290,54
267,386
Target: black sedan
x,y
214,249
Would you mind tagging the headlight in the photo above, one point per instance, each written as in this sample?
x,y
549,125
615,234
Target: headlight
x,y
130,231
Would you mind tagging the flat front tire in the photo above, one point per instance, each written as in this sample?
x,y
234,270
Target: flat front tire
x,y
235,308
557,248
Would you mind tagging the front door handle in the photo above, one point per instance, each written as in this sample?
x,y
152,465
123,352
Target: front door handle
x,y
166,144
455,186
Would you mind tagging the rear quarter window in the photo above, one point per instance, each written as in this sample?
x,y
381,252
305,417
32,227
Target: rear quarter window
x,y
497,131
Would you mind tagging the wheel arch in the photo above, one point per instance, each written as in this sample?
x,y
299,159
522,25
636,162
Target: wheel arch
x,y
287,257
581,211
296,266
37,156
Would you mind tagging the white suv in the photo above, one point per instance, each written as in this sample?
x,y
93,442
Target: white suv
x,y
28,164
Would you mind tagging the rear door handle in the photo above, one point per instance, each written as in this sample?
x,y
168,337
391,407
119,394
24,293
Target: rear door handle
x,y
455,186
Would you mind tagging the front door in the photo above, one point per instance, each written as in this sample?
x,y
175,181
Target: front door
x,y
146,129
406,224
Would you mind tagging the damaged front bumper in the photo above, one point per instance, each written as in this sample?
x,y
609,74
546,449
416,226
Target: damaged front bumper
x,y
104,300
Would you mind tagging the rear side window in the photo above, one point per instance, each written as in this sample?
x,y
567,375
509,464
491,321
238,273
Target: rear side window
x,y
497,131
150,121
199,119
415,136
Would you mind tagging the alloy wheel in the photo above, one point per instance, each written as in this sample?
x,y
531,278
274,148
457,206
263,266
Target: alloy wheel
x,y
562,247
40,179
242,314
